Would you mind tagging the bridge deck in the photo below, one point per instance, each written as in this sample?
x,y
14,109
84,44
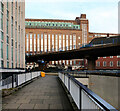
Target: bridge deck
x,y
44,93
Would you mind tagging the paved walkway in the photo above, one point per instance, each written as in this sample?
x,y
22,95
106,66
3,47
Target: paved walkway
x,y
43,93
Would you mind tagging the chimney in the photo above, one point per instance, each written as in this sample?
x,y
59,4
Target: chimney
x,y
83,16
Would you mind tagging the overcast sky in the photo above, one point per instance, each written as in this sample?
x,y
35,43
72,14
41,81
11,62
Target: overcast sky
x,y
102,14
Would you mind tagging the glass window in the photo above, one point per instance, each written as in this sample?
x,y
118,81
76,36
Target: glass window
x,y
12,53
30,42
2,7
7,25
38,42
2,21
49,42
118,56
111,56
98,64
111,63
66,42
42,42
56,42
104,63
60,42
45,41
7,64
7,52
118,63
2,35
34,42
70,42
52,42
7,39
63,42
2,50
2,64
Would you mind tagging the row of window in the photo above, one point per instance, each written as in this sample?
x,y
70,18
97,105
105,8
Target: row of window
x,y
52,24
110,57
110,64
45,42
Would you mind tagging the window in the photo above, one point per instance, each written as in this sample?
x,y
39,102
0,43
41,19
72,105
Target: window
x,y
38,43
66,42
30,42
70,62
111,63
12,53
111,56
118,56
52,42
2,64
2,35
2,50
56,43
59,42
74,41
45,41
104,63
2,21
7,52
118,63
34,42
41,42
104,57
7,39
74,62
7,64
7,25
63,42
49,42
2,7
98,64
70,42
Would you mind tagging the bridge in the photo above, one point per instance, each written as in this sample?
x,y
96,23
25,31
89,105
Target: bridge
x,y
89,53
60,91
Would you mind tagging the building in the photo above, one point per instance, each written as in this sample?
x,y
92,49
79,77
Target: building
x,y
12,35
47,35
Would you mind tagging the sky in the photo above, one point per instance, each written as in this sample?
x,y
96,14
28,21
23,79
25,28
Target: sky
x,y
102,14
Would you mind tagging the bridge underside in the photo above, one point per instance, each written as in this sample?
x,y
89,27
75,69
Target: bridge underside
x,y
90,53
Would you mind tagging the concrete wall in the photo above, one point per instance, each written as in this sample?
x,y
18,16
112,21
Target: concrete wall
x,y
106,87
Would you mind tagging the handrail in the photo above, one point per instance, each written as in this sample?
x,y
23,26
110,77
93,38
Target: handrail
x,y
95,72
99,100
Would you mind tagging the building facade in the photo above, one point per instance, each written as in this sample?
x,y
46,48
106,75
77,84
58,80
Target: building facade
x,y
12,34
48,35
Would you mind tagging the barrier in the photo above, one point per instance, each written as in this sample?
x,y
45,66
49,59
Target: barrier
x,y
82,96
17,80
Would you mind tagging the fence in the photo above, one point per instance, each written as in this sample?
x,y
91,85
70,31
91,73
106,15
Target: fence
x,y
82,96
17,80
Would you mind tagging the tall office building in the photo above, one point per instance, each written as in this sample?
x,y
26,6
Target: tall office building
x,y
47,35
12,34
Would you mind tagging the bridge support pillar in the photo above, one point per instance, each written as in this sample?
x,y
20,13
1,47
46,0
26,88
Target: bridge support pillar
x,y
91,63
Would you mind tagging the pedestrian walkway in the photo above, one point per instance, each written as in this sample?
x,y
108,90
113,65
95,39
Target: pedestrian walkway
x,y
43,93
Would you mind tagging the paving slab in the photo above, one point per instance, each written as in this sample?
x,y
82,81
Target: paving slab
x,y
43,93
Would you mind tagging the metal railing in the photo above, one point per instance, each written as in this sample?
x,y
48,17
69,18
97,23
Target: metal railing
x,y
17,80
82,96
95,72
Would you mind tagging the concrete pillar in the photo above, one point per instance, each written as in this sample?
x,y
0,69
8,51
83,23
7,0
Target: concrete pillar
x,y
91,63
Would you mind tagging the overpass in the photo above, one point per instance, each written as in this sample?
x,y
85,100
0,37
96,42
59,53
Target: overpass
x,y
89,53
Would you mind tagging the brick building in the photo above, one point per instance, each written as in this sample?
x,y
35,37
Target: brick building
x,y
47,35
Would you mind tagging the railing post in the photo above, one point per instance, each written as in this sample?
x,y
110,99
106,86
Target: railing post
x,y
80,98
69,83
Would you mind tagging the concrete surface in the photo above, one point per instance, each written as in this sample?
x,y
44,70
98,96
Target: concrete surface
x,y
44,93
107,87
